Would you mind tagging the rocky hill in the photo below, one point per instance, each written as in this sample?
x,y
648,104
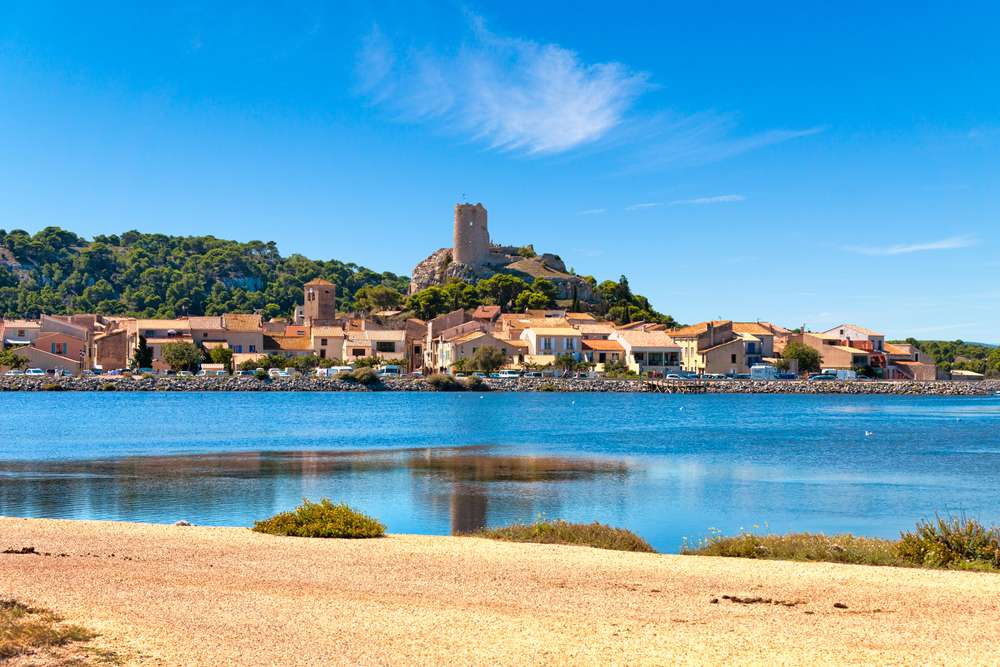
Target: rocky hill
x,y
522,262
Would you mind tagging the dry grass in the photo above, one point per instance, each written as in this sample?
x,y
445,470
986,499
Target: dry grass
x,y
26,631
322,519
594,534
953,543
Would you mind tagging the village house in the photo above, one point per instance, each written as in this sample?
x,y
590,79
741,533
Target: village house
x,y
907,362
648,351
19,332
833,353
711,348
601,351
546,343
872,342
328,342
464,346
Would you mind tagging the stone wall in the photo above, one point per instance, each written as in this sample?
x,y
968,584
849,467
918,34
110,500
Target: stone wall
x,y
250,383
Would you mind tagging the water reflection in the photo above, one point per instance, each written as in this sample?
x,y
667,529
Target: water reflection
x,y
413,486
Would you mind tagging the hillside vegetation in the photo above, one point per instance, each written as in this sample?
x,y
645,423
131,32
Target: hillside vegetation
x,y
158,276
155,275
959,355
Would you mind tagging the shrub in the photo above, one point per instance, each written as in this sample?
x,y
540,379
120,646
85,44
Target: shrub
x,y
345,376
443,382
955,542
365,376
548,386
473,383
260,374
799,547
322,519
594,534
52,386
109,386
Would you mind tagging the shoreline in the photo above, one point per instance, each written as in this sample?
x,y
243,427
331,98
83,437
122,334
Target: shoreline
x,y
411,384
160,594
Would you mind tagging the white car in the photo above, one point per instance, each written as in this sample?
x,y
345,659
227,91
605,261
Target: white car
x,y
13,372
35,372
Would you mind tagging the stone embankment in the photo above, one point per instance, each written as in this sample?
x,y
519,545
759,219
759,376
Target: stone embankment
x,y
606,385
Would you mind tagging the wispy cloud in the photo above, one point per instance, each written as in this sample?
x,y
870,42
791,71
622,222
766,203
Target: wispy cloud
x,y
593,211
645,205
512,94
699,201
950,243
533,98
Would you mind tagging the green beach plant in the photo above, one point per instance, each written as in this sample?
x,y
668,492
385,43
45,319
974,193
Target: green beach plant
x,y
322,519
951,543
597,535
443,382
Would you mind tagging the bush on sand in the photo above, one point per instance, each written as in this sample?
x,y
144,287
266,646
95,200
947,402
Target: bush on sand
x,y
594,534
322,519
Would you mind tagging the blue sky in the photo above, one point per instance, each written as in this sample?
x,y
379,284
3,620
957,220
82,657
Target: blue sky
x,y
798,165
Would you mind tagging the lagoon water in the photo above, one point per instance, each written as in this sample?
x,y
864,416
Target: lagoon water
x,y
666,466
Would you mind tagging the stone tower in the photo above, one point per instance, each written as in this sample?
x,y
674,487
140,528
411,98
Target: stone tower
x,y
472,238
320,303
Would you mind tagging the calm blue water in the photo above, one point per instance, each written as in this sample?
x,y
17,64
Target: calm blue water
x,y
665,466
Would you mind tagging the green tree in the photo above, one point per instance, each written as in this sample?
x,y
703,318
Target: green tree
x,y
808,358
501,290
429,303
373,298
488,359
222,355
143,357
11,360
566,362
182,356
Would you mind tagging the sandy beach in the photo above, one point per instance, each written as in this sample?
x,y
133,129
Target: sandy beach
x,y
192,595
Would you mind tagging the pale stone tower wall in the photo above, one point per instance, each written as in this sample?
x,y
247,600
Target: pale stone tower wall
x,y
472,237
319,303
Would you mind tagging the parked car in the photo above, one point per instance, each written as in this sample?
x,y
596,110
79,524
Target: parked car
x,y
389,371
479,374
533,374
35,372
675,376
822,377
14,372
510,374
247,373
713,376
785,376
185,374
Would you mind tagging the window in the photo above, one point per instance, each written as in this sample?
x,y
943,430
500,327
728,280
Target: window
x,y
732,358
322,354
322,341
238,349
614,356
253,348
655,358
639,356
311,295
602,357
417,350
385,346
204,334
570,343
358,352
